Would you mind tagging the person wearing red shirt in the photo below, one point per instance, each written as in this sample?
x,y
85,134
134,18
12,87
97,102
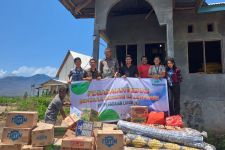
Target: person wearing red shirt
x,y
144,67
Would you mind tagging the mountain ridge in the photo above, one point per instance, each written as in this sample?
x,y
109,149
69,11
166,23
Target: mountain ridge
x,y
18,85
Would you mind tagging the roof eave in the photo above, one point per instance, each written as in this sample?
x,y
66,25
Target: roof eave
x,y
77,11
211,8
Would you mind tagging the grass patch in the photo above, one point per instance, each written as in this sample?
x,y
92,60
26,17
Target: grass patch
x,y
8,100
38,104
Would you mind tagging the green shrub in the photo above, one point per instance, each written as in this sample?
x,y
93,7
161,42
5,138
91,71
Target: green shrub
x,y
217,140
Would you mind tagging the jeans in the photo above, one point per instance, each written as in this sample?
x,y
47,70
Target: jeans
x,y
174,99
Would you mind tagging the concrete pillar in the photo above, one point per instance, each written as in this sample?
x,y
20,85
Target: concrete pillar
x,y
96,41
140,52
170,40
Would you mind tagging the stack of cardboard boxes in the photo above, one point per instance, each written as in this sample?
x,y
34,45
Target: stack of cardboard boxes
x,y
23,132
17,131
90,134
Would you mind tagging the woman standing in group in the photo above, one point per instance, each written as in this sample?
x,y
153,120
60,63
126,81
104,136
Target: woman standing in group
x,y
174,78
157,71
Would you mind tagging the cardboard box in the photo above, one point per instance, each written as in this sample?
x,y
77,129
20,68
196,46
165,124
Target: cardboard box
x,y
69,133
107,126
55,146
30,147
109,140
80,142
74,149
139,111
98,125
134,148
16,136
84,128
21,119
42,135
59,131
89,114
71,120
10,146
139,120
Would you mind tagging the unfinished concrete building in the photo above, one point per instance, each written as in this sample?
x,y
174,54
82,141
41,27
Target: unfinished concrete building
x,y
191,31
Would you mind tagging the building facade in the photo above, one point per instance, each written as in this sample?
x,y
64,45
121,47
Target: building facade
x,y
191,31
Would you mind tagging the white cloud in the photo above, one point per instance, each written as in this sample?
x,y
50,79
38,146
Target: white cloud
x,y
30,71
2,73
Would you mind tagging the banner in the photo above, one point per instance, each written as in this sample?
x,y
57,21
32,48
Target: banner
x,y
113,97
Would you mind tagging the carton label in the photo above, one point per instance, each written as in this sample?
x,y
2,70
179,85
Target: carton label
x,y
109,141
42,137
19,119
14,135
84,128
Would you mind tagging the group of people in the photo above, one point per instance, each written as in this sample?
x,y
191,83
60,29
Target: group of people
x,y
109,68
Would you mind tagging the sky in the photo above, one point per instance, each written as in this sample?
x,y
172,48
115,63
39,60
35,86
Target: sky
x,y
35,36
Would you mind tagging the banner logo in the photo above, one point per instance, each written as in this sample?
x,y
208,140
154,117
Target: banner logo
x,y
80,88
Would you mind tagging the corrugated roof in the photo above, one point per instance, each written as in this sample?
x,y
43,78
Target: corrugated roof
x,y
52,82
212,7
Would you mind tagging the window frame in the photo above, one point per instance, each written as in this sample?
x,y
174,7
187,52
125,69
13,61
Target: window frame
x,y
204,55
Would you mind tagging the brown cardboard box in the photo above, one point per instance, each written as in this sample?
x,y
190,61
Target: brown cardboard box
x,y
134,148
55,146
139,119
21,119
30,147
59,131
42,135
89,114
71,120
16,136
107,126
69,133
98,125
110,140
74,149
10,146
139,111
80,142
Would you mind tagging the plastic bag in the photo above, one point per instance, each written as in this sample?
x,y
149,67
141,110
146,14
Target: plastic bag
x,y
175,121
156,118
